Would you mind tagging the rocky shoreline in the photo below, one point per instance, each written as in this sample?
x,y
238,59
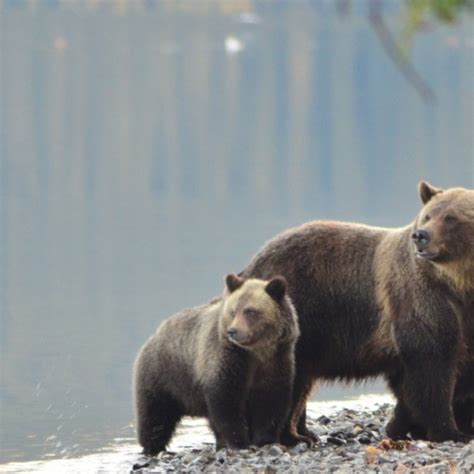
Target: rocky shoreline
x,y
352,441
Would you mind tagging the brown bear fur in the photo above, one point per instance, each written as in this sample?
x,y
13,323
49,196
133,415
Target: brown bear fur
x,y
396,302
231,360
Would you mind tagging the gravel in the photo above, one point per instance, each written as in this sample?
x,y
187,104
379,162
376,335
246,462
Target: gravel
x,y
351,441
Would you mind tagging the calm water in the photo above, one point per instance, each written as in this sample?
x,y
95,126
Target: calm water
x,y
148,148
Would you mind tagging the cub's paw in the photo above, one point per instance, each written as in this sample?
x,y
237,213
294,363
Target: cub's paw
x,y
456,436
292,439
396,430
263,439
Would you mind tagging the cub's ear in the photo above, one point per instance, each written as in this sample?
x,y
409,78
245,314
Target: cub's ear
x,y
233,282
427,191
276,288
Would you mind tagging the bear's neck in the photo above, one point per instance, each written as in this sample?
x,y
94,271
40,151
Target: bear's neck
x,y
459,275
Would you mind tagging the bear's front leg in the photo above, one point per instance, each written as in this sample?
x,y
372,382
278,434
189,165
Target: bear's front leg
x,y
269,408
464,414
270,400
430,403
428,346
226,409
401,424
464,397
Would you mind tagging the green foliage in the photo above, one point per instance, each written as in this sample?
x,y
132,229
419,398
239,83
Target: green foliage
x,y
446,11
420,12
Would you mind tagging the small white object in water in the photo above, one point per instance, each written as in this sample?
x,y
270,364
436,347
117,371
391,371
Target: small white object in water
x,y
233,45
249,18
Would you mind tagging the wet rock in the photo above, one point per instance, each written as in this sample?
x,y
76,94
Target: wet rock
x,y
299,448
336,440
467,463
138,466
275,450
364,439
351,441
323,420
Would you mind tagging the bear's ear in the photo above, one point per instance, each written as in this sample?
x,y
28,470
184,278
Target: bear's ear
x,y
276,288
233,282
427,191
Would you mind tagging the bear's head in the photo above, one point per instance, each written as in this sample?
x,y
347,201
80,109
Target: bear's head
x,y
444,230
257,313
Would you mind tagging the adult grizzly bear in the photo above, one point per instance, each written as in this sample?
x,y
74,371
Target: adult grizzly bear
x,y
231,360
397,302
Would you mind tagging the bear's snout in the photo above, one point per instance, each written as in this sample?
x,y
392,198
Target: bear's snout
x,y
421,238
238,335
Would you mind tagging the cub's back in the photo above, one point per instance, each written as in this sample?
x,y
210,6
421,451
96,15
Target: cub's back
x,y
173,359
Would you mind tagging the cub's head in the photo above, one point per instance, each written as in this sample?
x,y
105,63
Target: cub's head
x,y
257,313
444,229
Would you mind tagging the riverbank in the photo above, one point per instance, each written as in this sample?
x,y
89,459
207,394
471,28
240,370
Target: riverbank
x,y
352,440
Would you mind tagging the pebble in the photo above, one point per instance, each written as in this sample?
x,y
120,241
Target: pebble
x,y
336,440
323,420
354,443
299,448
275,450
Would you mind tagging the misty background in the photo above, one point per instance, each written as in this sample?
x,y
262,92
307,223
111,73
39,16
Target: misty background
x,y
149,148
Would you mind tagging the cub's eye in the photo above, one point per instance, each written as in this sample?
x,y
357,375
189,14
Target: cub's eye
x,y
251,313
426,218
449,219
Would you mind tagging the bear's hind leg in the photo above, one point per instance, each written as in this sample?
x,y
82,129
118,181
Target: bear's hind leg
x,y
290,435
303,429
220,441
157,417
464,414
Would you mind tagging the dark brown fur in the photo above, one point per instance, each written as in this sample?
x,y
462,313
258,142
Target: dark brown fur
x,y
369,305
231,361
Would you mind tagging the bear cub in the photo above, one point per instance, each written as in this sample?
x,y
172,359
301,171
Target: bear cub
x,y
231,361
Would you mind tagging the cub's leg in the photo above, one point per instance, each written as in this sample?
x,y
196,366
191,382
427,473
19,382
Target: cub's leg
x,y
464,398
269,405
220,443
402,423
226,403
157,416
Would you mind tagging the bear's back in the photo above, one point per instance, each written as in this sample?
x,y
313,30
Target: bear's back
x,y
176,354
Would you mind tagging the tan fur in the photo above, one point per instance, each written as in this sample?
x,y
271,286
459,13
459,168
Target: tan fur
x,y
257,298
460,274
192,361
458,203
374,300
382,340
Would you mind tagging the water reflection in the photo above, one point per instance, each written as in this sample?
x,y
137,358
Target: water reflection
x,y
142,160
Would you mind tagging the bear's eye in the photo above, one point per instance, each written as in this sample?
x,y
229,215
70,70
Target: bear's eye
x,y
250,312
450,219
426,218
